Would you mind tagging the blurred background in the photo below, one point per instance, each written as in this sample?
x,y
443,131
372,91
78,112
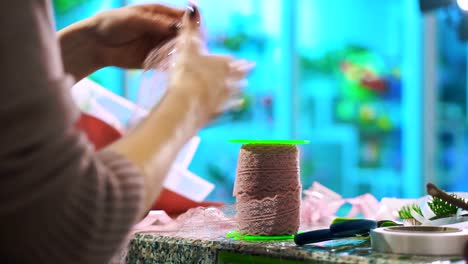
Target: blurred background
x,y
378,87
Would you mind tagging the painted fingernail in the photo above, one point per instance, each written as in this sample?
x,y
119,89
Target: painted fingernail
x,y
192,11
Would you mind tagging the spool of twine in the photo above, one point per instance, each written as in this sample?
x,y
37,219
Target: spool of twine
x,y
268,190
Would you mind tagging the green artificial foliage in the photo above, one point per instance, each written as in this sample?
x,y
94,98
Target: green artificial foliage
x,y
328,64
441,208
349,65
438,206
405,211
235,42
388,224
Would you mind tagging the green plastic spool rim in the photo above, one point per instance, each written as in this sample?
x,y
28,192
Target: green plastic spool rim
x,y
270,141
236,235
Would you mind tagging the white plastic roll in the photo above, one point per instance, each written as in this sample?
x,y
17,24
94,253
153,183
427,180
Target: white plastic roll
x,y
419,240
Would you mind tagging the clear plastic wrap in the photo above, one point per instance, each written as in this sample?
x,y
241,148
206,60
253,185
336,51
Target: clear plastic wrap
x,y
188,45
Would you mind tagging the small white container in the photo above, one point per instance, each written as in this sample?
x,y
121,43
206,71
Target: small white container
x,y
187,184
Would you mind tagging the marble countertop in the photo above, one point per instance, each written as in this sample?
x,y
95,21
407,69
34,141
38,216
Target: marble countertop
x,y
164,248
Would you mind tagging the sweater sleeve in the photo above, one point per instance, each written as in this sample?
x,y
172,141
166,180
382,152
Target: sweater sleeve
x,y
60,201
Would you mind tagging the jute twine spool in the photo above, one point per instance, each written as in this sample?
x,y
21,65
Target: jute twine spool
x,y
268,189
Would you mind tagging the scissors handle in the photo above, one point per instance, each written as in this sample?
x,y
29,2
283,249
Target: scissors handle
x,y
339,230
313,237
353,227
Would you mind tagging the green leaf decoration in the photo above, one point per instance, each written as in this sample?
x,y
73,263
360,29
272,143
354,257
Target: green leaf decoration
x,y
405,211
442,208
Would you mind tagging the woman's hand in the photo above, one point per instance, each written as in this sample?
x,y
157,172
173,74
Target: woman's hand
x,y
120,37
210,82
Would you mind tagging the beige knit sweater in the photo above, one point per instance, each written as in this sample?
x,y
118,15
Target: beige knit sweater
x,y
60,202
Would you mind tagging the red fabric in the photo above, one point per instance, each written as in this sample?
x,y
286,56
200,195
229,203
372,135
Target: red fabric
x,y
102,134
174,203
98,132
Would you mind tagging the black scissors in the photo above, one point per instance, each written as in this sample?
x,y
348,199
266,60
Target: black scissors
x,y
348,228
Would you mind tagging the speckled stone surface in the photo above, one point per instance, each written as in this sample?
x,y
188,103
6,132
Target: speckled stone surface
x,y
157,248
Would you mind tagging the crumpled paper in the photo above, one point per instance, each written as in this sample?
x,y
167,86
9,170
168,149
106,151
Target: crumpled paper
x,y
320,205
197,223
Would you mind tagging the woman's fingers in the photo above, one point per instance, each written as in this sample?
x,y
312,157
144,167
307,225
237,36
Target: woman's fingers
x,y
159,57
214,65
240,69
219,60
234,103
235,69
156,19
175,13
242,65
235,87
157,25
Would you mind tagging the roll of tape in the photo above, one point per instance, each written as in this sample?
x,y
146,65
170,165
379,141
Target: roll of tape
x,y
419,240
